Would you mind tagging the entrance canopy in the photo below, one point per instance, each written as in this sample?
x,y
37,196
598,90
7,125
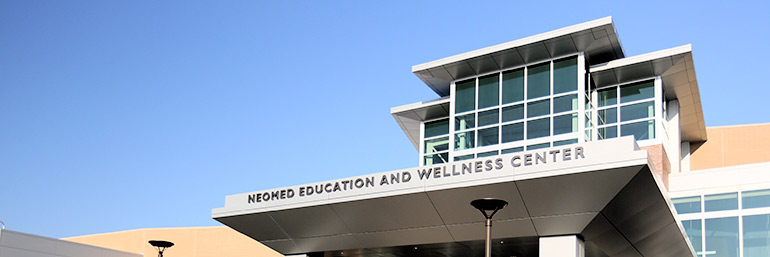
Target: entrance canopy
x,y
604,192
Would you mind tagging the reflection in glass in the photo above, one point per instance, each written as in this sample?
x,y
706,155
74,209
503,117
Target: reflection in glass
x,y
722,237
756,235
640,130
464,140
538,146
538,128
720,202
488,117
756,199
607,97
565,103
436,128
538,108
513,132
436,158
565,124
538,80
565,76
513,86
607,132
464,157
512,150
693,230
488,136
489,91
687,204
607,116
515,112
637,111
565,142
486,154
465,96
465,121
637,91
437,145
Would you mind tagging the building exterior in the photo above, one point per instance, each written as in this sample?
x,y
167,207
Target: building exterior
x,y
580,139
598,154
17,244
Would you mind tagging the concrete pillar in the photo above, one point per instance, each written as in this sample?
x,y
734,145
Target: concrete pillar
x,y
562,246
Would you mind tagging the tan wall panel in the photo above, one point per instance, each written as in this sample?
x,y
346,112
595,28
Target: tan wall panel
x,y
188,242
733,145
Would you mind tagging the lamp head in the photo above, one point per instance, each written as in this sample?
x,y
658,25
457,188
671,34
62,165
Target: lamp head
x,y
489,206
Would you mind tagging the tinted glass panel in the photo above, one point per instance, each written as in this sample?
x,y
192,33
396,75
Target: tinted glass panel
x,y
565,142
538,80
607,116
538,146
687,204
640,130
515,112
488,117
565,103
489,91
486,154
637,111
464,157
539,108
437,145
465,96
565,124
512,150
565,77
436,158
637,91
488,136
722,237
464,140
756,238
756,199
720,202
436,128
465,121
513,86
607,132
513,132
538,128
607,97
694,232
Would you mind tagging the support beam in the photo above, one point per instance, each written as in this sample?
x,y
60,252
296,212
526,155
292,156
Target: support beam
x,y
562,246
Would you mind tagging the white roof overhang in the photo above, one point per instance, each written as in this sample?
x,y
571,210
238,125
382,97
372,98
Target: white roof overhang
x,y
677,71
410,116
597,39
610,197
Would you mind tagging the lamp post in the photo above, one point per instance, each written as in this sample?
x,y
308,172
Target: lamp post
x,y
488,207
161,246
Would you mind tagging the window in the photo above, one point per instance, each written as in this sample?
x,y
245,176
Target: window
x,y
488,91
720,202
722,237
694,232
756,199
513,86
625,110
687,204
565,75
539,80
465,96
436,142
756,238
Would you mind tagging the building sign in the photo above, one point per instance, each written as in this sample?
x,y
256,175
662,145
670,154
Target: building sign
x,y
469,169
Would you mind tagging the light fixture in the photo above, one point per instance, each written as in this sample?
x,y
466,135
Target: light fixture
x,y
488,207
161,246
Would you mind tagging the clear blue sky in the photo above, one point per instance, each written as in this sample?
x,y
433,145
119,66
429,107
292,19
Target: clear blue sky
x,y
119,115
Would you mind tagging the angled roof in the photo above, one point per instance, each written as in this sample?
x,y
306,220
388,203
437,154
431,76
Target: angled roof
x,y
676,68
597,39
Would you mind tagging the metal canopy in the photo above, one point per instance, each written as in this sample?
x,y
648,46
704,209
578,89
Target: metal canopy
x,y
676,68
597,39
614,201
410,116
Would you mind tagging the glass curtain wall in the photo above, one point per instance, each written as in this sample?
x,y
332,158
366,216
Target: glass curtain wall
x,y
516,110
622,111
726,224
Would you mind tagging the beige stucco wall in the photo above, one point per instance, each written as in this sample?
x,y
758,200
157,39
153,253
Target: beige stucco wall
x,y
732,145
188,242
